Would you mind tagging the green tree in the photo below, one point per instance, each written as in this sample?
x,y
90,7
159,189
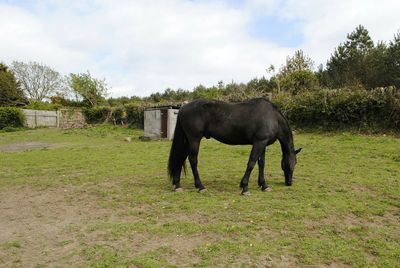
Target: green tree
x,y
182,95
348,63
377,70
299,62
239,92
121,101
274,80
297,74
207,93
261,85
394,60
298,81
93,91
10,91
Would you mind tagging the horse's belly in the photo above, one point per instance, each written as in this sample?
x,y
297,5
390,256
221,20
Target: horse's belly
x,y
233,139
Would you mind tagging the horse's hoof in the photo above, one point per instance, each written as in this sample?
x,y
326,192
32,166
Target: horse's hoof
x,y
178,189
202,190
268,189
246,193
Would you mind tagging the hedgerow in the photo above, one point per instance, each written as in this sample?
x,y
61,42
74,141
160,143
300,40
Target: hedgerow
x,y
11,117
118,115
135,115
96,115
345,108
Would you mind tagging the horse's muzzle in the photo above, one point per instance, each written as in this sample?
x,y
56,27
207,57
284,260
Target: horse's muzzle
x,y
288,183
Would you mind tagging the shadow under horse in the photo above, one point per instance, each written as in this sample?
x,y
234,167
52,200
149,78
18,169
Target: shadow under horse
x,y
256,122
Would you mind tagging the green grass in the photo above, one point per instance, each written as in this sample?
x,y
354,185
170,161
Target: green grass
x,y
343,207
11,244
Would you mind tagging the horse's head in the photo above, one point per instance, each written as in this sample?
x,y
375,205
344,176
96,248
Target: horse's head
x,y
288,163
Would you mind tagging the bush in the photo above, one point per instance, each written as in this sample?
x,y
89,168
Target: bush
x,y
344,108
298,81
305,109
11,117
118,115
96,115
10,129
39,105
63,102
134,115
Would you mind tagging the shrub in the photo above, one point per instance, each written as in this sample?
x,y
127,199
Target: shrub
x,y
63,102
305,109
118,115
10,129
40,105
11,117
96,115
344,108
134,115
298,81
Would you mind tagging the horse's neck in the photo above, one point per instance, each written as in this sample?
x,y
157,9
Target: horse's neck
x,y
286,141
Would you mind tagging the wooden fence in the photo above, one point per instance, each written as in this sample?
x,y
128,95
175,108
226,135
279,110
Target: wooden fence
x,y
63,118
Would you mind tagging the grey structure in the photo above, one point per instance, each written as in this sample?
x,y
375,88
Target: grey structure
x,y
38,118
159,122
63,118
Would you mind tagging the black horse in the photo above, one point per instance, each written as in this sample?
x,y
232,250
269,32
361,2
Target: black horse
x,y
257,122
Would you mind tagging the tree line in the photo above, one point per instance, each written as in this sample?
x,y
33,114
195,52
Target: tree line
x,y
356,63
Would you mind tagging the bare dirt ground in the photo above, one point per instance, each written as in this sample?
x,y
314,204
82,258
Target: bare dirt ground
x,y
50,227
34,227
23,146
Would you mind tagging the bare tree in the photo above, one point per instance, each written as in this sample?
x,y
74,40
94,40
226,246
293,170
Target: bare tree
x,y
37,80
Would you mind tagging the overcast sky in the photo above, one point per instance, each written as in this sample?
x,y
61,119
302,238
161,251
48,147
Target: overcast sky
x,y
141,47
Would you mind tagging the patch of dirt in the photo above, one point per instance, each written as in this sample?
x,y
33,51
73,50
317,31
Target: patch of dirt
x,y
35,226
351,220
266,261
49,227
182,247
23,146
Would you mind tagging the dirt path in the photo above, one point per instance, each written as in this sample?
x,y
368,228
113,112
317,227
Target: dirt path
x,y
23,146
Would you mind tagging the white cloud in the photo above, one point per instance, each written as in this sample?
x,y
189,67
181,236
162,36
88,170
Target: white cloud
x,y
146,46
23,37
327,23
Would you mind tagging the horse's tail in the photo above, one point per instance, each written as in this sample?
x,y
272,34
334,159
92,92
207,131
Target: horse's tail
x,y
178,153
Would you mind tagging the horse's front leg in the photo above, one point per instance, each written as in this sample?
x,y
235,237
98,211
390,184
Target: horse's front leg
x,y
261,179
256,152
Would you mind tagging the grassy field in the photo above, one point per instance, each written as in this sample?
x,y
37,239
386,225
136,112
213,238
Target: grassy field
x,y
89,198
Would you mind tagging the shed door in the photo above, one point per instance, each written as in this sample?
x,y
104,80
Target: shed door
x,y
164,122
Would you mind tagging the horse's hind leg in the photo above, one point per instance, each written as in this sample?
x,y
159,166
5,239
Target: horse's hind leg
x,y
176,180
256,151
193,153
261,179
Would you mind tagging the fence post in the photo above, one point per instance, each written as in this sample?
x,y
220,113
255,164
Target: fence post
x,y
58,118
35,119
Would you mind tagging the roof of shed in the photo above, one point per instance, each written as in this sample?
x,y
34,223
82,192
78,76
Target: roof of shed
x,y
163,107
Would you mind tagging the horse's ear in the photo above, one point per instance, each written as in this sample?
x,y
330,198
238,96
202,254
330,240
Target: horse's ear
x,y
298,151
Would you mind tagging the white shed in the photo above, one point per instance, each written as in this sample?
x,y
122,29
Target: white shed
x,y
159,122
